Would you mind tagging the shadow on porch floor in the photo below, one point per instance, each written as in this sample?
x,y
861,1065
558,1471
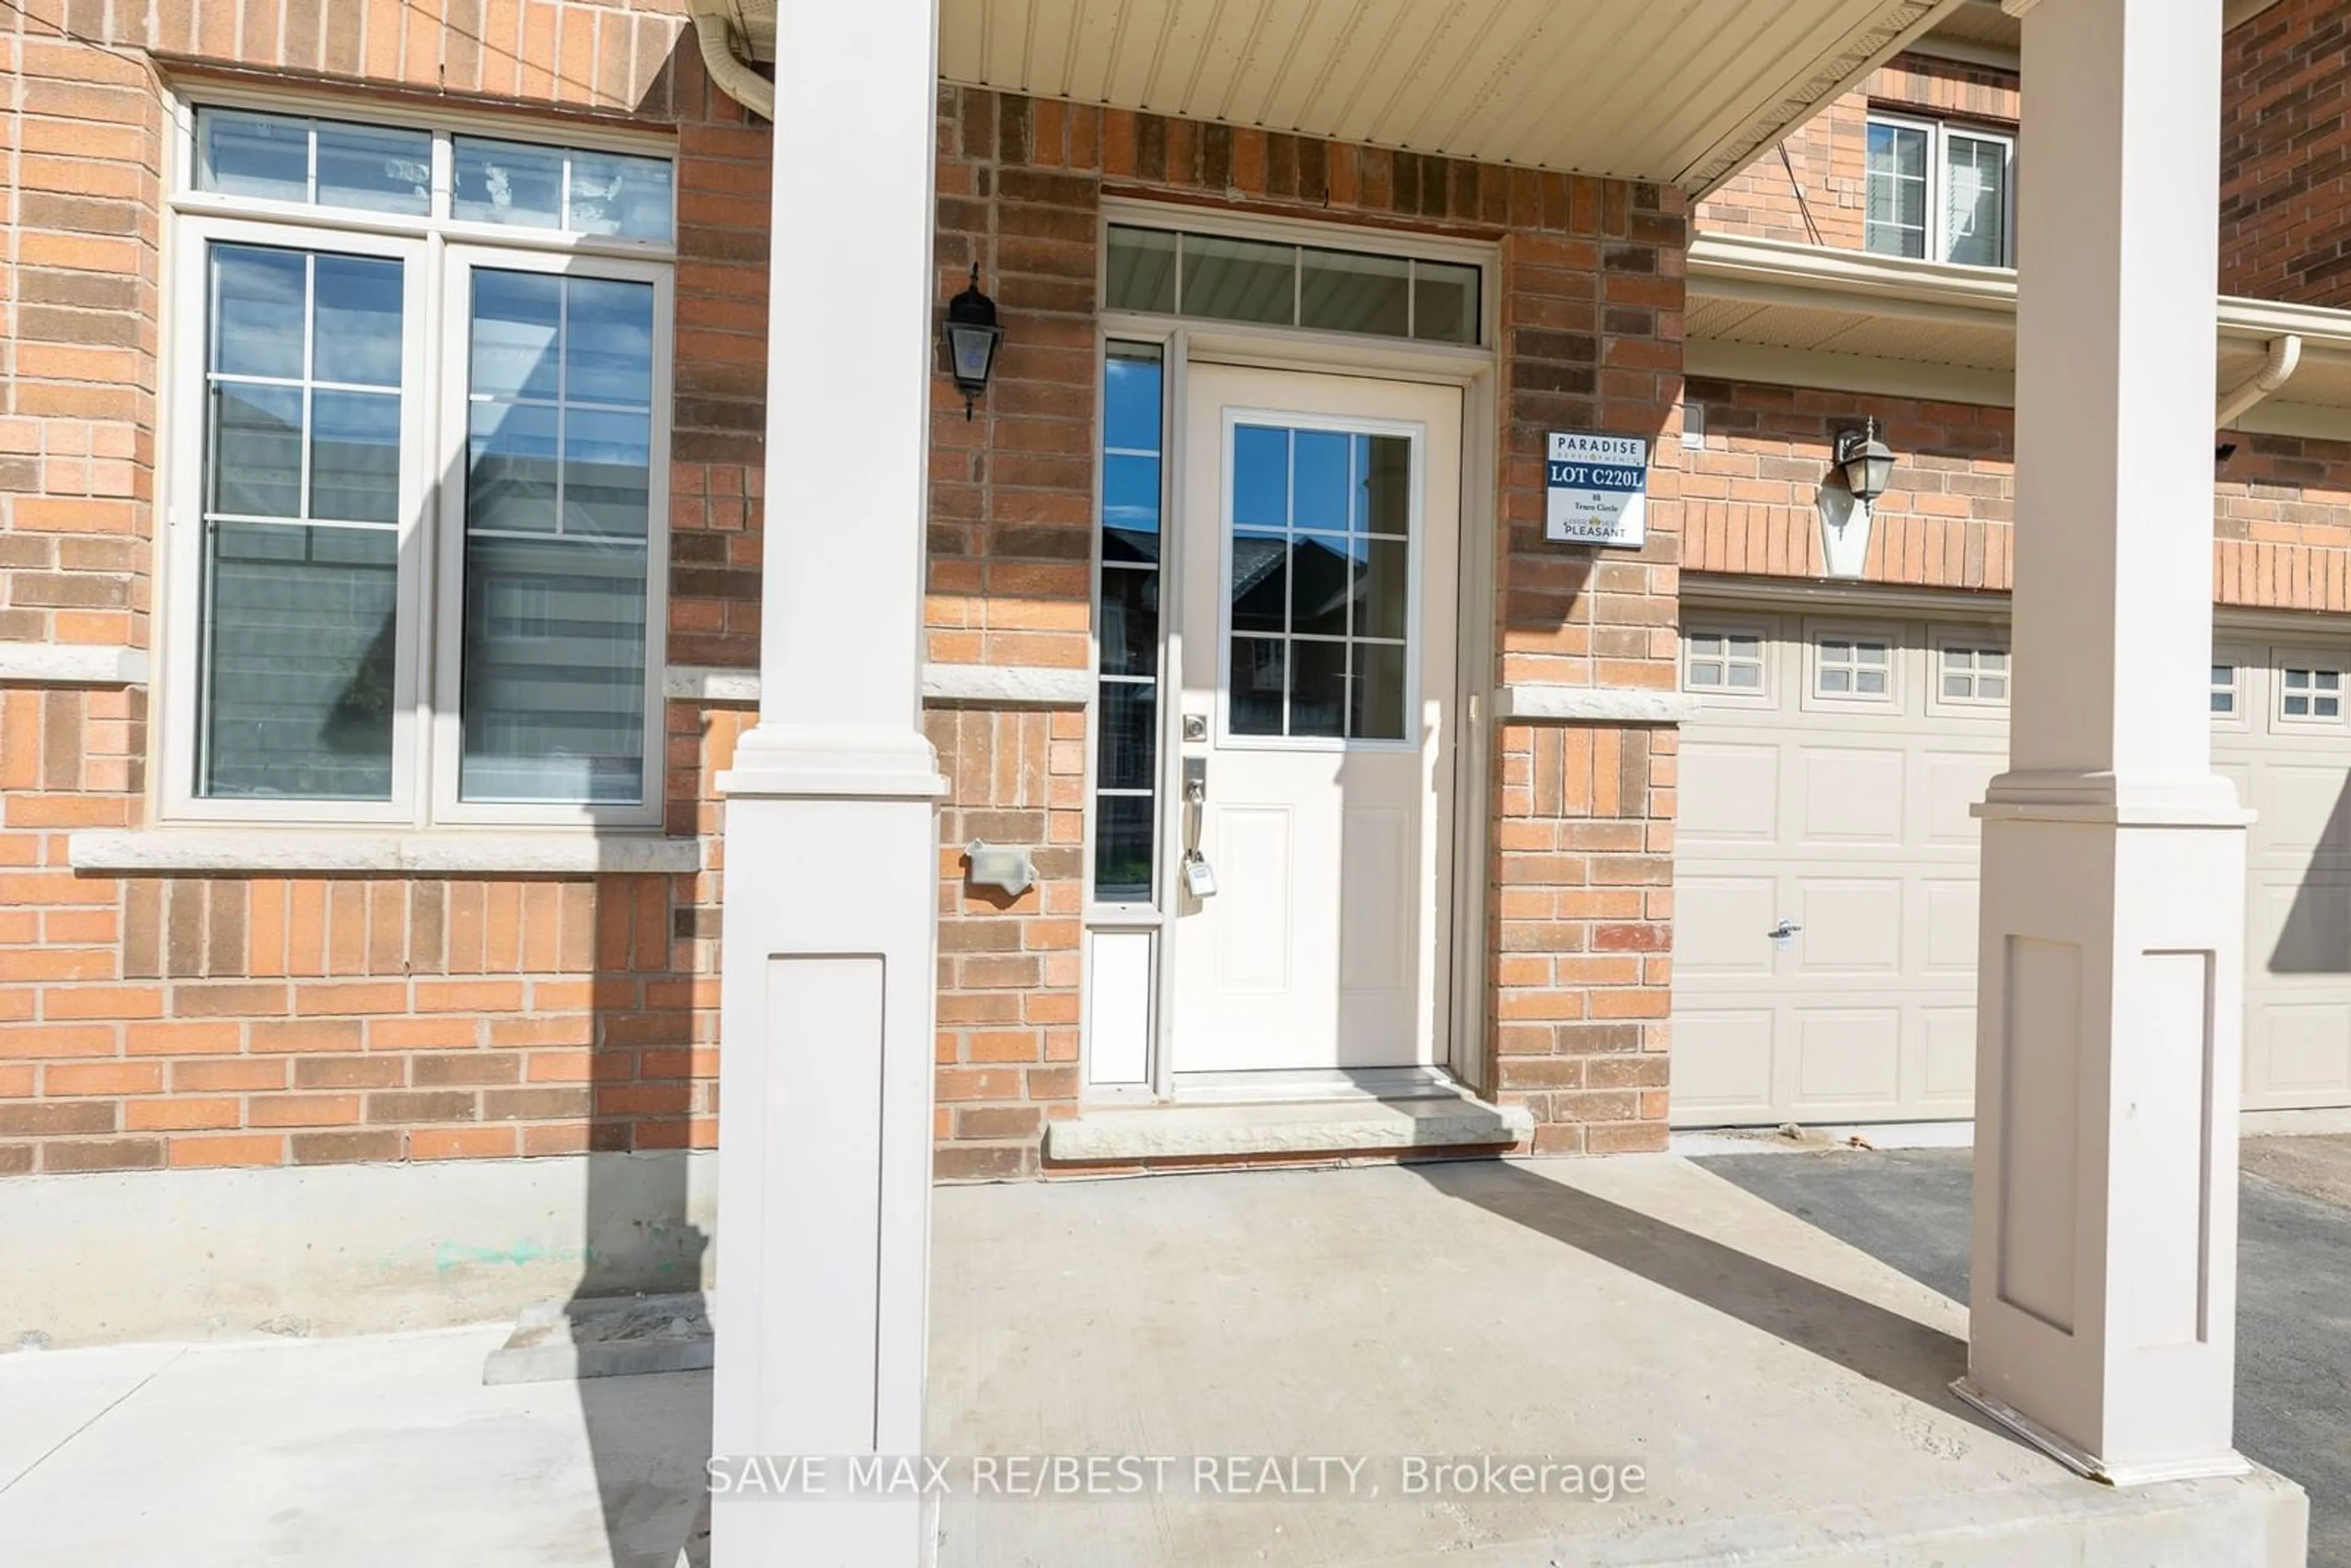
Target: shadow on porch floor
x,y
1785,1394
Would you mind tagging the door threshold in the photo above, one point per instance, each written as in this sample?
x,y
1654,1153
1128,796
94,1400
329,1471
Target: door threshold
x,y
1313,1083
1422,1117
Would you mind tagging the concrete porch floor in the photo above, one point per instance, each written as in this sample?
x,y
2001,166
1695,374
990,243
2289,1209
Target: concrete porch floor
x,y
1785,1392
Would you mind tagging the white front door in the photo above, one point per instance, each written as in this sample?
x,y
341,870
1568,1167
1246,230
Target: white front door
x,y
1318,570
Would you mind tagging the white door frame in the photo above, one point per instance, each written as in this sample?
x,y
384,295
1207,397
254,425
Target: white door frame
x,y
1463,1051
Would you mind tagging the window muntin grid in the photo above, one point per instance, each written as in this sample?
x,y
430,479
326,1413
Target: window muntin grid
x,y
1723,662
558,489
1318,587
302,415
1127,601
1937,191
1972,674
314,161
2225,701
1272,283
1852,668
2310,693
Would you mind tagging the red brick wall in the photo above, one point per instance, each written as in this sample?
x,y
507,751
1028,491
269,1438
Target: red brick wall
x,y
1821,204
77,357
2282,506
1591,321
239,1021
1581,874
254,1021
2285,153
1008,1008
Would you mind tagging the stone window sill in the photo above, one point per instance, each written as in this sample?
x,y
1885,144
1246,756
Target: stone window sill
x,y
1532,704
283,853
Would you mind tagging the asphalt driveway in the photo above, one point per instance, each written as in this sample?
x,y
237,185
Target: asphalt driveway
x,y
1909,1209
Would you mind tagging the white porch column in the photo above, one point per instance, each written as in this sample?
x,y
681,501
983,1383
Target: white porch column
x,y
2102,1318
831,871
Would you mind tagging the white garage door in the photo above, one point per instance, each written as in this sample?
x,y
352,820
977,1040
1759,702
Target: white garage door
x,y
1825,912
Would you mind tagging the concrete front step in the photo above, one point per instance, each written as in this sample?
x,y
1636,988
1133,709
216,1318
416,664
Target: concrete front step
x,y
1332,1126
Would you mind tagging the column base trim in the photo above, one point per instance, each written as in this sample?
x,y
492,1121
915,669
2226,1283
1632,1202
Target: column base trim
x,y
795,761
2035,795
2081,1461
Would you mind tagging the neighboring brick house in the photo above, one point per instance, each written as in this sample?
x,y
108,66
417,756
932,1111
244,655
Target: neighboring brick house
x,y
443,882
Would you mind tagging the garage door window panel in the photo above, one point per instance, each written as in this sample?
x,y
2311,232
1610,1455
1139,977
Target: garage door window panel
x,y
1853,667
2232,694
2309,693
1728,663
1971,676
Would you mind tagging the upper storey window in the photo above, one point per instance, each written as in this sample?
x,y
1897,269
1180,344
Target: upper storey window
x,y
1940,192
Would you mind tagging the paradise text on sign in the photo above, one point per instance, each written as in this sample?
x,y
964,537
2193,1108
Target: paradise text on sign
x,y
1597,489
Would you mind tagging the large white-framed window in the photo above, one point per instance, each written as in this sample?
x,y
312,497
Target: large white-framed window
x,y
418,408
1940,190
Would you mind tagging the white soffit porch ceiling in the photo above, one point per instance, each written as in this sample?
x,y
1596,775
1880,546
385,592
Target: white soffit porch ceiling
x,y
1797,315
1679,91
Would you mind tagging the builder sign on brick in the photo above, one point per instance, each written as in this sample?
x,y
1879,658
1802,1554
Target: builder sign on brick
x,y
1596,490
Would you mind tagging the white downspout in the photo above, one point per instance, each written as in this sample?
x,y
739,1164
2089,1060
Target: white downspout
x,y
714,24
2285,357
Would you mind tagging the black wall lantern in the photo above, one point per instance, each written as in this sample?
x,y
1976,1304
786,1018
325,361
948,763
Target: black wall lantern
x,y
1866,462
972,336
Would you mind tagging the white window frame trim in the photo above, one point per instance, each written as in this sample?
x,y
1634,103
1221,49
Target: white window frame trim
x,y
2316,661
446,124
1767,643
1901,640
432,545
2244,665
445,706
1387,354
1939,133
1889,634
1414,642
1969,639
184,526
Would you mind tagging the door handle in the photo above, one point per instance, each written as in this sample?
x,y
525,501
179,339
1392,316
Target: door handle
x,y
1199,878
1783,933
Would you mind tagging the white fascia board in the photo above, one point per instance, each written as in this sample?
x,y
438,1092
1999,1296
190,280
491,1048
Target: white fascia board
x,y
1715,359
1765,271
2303,420
71,664
1776,273
1529,702
280,851
1847,277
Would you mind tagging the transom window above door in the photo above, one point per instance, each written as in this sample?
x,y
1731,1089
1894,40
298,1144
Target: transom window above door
x,y
416,502
1319,583
1271,283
